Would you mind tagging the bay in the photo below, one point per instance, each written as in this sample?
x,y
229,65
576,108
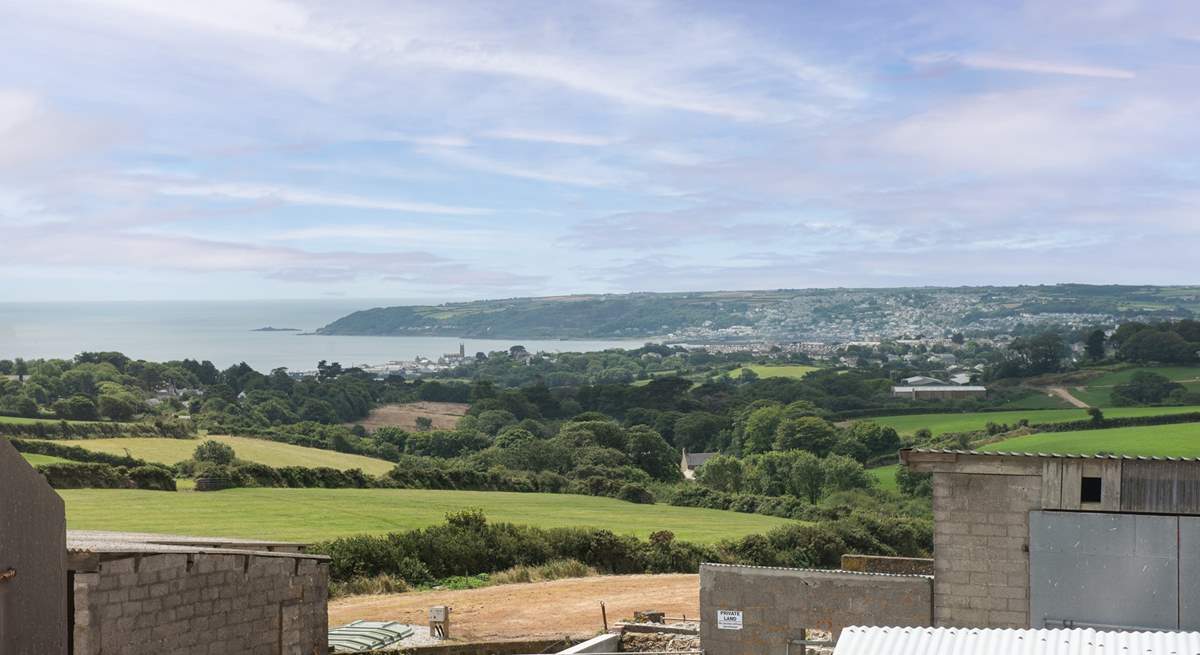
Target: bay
x,y
224,333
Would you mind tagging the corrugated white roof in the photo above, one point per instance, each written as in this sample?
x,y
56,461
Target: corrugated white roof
x,y
858,640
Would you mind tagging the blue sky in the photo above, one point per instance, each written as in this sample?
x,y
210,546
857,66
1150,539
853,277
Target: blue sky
x,y
287,149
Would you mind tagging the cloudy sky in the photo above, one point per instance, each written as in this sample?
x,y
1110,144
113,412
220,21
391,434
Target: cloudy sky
x,y
283,148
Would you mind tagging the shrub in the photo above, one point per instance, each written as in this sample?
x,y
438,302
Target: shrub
x,y
215,452
635,493
85,476
155,478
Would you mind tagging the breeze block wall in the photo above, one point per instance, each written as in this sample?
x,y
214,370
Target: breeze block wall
x,y
779,604
980,545
202,603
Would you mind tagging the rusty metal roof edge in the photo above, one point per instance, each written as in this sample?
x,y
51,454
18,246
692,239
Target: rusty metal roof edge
x,y
811,570
1009,453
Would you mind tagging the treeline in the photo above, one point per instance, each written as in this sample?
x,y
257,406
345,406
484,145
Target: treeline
x,y
172,428
467,544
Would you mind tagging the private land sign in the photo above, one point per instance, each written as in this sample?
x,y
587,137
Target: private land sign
x,y
729,619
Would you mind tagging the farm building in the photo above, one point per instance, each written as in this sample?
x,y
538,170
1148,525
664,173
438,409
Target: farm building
x,y
88,593
693,461
939,392
922,381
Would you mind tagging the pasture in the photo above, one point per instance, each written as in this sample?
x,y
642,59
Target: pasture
x,y
316,514
271,453
969,422
35,459
1179,440
885,476
795,371
1098,391
404,415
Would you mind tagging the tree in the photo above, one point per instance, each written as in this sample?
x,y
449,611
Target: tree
x,y
1094,346
876,439
76,408
21,369
1158,346
722,473
807,433
1096,413
651,453
699,431
958,338
424,423
806,477
215,452
844,474
1040,354
759,434
1144,388
117,406
914,484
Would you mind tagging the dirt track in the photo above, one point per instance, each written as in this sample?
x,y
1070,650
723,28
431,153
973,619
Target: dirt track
x,y
444,415
550,609
1063,393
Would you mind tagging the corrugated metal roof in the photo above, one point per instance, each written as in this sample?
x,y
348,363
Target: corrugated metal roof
x,y
859,640
938,387
1007,453
363,636
800,570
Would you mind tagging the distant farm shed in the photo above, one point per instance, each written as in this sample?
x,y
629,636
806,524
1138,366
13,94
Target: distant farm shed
x,y
939,392
693,461
857,640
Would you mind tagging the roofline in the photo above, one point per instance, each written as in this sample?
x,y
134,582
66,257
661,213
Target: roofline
x,y
906,453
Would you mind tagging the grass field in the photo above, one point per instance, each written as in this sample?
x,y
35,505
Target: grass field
x,y
170,451
314,514
35,459
1180,440
1098,391
783,371
959,422
46,419
885,476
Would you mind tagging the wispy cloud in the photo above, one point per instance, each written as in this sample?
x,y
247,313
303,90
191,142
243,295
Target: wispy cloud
x,y
984,61
546,136
294,196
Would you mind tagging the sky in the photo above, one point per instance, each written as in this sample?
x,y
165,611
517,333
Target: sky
x,y
248,149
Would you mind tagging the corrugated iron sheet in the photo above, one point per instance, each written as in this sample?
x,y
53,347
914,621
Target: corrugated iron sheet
x,y
362,636
858,640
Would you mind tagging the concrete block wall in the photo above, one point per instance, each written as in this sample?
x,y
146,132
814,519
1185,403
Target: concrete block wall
x,y
779,604
202,604
980,543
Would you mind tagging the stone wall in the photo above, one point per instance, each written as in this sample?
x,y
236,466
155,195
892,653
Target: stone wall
x,y
777,605
33,570
201,603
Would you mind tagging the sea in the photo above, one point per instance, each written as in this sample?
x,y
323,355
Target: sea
x,y
224,333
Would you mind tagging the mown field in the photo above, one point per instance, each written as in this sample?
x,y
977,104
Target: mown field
x,y
1098,391
962,422
170,451
45,419
315,514
779,371
1180,440
885,476
35,459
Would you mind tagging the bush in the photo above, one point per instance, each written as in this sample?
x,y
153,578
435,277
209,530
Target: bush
x,y
215,452
635,493
85,476
155,478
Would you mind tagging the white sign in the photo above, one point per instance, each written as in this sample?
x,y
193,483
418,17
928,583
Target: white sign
x,y
729,619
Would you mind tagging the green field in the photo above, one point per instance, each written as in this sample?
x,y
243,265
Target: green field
x,y
35,459
47,419
315,514
781,371
960,422
1180,440
1098,391
170,451
885,476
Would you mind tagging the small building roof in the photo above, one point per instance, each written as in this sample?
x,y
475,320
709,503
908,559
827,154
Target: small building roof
x,y
112,545
858,640
696,459
938,387
921,380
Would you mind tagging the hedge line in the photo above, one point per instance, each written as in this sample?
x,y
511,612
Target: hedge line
x,y
105,476
69,430
1123,422
74,453
467,544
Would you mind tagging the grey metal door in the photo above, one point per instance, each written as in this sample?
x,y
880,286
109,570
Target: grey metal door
x,y
1109,570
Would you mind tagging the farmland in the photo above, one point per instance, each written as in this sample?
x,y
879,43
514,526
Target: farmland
x,y
1098,391
962,422
1179,440
170,451
36,459
444,416
315,514
885,476
795,371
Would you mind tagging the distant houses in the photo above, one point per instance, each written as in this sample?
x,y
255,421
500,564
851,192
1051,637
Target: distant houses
x,y
693,461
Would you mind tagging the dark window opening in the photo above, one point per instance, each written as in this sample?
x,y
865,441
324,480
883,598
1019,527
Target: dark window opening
x,y
1089,490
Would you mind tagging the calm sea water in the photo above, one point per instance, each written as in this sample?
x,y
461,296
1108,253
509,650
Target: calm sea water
x,y
223,333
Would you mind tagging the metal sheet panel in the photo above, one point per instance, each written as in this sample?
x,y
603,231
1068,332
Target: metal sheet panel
x,y
858,640
1189,573
1103,570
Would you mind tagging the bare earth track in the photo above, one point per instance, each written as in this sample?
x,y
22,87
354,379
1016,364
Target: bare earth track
x,y
444,415
539,609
